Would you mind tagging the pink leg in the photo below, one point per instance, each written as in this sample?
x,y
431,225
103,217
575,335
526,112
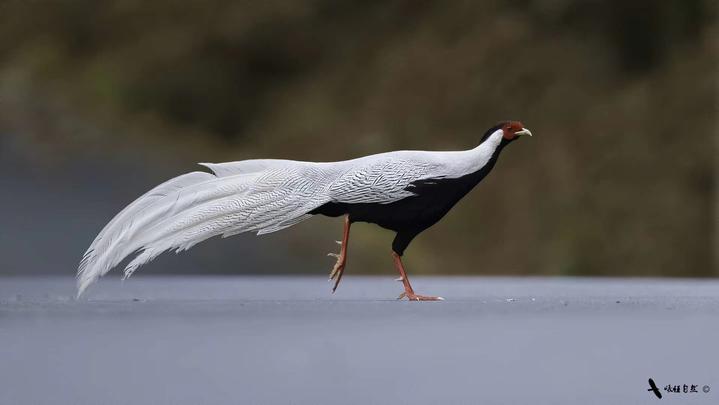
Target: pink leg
x,y
339,268
408,291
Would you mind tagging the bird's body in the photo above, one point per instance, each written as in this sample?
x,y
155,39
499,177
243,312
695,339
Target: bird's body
x,y
434,192
404,191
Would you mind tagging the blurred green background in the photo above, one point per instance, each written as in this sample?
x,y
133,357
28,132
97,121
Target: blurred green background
x,y
101,100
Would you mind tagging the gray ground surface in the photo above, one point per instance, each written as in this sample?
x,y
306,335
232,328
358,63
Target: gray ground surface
x,y
243,340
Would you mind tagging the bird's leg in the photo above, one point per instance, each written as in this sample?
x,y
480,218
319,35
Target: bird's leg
x,y
339,268
408,291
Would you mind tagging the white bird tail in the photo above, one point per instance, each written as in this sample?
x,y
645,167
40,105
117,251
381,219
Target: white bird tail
x,y
255,195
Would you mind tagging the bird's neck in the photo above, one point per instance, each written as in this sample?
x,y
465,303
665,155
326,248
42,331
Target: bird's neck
x,y
484,156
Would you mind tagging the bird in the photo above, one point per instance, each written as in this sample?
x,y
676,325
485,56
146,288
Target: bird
x,y
654,389
404,191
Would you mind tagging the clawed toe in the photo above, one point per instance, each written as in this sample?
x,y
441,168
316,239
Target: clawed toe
x,y
336,270
417,297
339,267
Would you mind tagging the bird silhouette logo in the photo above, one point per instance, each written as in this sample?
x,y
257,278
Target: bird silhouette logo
x,y
653,388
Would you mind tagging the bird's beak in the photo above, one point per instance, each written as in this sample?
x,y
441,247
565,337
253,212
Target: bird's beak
x,y
524,131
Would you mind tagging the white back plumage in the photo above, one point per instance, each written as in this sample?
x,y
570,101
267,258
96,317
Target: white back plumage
x,y
262,196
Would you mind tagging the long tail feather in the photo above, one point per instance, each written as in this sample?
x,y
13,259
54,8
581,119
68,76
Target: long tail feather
x,y
260,196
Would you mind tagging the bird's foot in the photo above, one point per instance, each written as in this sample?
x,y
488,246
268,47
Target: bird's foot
x,y
338,265
338,269
416,297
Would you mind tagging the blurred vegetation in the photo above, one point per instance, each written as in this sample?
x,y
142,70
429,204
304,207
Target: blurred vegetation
x,y
622,97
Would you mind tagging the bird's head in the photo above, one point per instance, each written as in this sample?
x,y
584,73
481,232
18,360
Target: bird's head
x,y
511,130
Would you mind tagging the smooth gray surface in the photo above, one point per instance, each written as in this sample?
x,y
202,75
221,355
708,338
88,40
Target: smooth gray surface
x,y
243,340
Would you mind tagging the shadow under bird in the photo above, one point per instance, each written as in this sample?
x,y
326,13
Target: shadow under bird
x,y
404,191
